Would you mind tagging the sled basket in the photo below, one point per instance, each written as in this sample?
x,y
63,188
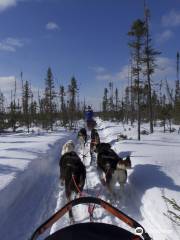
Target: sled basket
x,y
92,230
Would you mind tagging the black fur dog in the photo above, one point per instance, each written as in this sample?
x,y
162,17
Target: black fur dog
x,y
107,159
112,166
95,139
72,174
82,136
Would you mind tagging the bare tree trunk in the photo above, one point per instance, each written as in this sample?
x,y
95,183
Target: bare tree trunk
x,y
148,69
150,102
138,88
139,113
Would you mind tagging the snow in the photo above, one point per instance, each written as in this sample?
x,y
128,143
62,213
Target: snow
x,y
30,190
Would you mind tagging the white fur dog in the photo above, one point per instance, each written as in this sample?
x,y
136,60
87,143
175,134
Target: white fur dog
x,y
68,147
120,176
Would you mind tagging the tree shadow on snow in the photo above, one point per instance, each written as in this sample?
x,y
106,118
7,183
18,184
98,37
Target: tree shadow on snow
x,y
142,178
23,142
155,144
125,154
113,142
149,176
5,169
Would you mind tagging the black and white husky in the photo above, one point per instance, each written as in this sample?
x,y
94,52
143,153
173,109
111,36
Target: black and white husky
x,y
82,137
72,175
111,167
95,139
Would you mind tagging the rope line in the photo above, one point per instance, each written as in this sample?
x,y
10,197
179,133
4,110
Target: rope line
x,y
79,191
91,209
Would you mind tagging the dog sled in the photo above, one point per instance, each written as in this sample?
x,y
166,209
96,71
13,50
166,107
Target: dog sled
x,y
92,230
91,124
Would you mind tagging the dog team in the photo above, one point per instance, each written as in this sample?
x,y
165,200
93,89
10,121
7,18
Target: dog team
x,y
110,166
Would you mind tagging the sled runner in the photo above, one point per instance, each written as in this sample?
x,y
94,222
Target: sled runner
x,y
92,230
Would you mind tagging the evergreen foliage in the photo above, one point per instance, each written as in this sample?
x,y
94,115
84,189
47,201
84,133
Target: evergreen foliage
x,y
140,101
25,104
49,95
137,33
173,215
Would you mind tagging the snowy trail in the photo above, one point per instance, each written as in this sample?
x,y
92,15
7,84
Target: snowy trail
x,y
146,184
30,190
32,195
93,187
155,160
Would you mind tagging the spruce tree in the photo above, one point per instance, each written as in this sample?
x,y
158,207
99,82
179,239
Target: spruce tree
x,y
33,111
177,93
127,104
49,98
63,105
13,114
149,59
111,100
72,111
2,111
105,103
26,103
116,100
137,32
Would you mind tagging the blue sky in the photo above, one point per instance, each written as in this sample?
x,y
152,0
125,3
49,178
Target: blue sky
x,y
84,38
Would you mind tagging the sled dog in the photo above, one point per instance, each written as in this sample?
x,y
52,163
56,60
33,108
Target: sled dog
x,y
112,166
95,139
82,136
72,175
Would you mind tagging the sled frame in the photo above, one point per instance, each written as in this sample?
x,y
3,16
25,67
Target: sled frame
x,y
86,200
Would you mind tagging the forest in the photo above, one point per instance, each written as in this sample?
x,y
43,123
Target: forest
x,y
144,100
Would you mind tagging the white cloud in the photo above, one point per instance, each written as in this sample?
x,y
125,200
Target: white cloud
x,y
118,76
98,69
7,86
166,67
172,19
7,83
11,44
15,42
4,4
164,36
104,77
52,26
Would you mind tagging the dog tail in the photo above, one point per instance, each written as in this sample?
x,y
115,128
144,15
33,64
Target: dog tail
x,y
121,165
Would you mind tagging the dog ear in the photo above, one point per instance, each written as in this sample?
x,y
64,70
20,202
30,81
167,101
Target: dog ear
x,y
108,145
